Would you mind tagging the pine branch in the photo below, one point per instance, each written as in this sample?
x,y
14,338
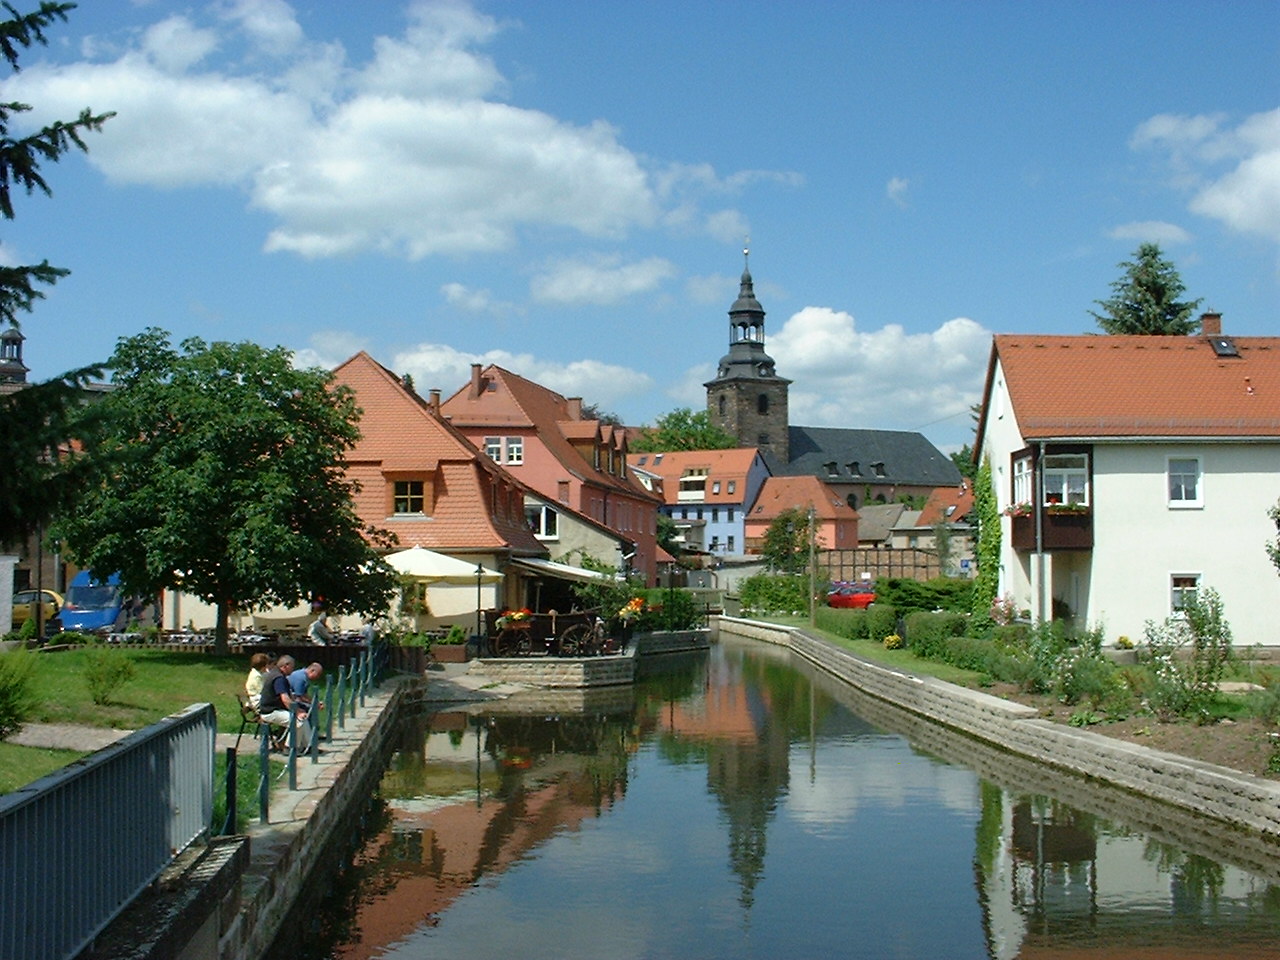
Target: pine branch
x,y
27,29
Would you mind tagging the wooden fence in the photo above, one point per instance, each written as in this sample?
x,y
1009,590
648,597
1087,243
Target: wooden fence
x,y
907,562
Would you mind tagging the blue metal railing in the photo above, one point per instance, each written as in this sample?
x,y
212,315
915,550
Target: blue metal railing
x,y
77,846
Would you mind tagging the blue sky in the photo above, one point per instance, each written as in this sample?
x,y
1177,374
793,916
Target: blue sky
x,y
565,188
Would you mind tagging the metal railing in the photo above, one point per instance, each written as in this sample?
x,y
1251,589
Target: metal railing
x,y
77,846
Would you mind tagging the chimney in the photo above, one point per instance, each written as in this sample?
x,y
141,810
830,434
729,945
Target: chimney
x,y
477,385
433,400
1211,324
575,408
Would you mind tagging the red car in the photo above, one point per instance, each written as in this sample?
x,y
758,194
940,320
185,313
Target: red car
x,y
857,596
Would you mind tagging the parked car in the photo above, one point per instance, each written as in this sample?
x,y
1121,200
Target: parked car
x,y
24,606
857,596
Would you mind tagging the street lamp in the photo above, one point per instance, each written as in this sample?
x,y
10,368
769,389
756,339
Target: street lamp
x,y
479,600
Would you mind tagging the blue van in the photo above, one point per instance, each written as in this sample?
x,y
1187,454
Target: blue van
x,y
93,605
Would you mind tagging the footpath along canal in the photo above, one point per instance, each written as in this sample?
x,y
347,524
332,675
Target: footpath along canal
x,y
744,802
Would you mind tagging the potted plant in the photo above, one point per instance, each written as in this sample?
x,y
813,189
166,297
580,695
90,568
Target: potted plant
x,y
452,647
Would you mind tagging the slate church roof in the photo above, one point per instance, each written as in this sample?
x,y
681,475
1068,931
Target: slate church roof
x,y
842,455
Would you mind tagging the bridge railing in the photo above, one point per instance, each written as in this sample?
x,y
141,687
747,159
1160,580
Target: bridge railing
x,y
77,846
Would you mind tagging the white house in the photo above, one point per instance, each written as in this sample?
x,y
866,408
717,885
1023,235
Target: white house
x,y
1133,471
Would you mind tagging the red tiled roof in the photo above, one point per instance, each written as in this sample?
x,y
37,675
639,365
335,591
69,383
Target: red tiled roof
x,y
722,465
400,433
1140,386
785,493
935,508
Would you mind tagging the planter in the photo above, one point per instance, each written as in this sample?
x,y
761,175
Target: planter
x,y
451,652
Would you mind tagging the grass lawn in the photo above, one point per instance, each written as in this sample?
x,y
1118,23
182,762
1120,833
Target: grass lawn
x,y
20,765
900,659
165,682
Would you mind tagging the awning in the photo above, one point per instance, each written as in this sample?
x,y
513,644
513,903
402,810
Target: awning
x,y
431,567
561,571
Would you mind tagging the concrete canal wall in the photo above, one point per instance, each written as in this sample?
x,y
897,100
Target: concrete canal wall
x,y
573,672
1234,798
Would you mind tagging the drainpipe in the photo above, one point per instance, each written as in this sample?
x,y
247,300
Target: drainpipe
x,y
1039,482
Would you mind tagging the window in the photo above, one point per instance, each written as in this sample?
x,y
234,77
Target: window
x,y
1184,482
504,449
728,544
408,496
715,486
715,514
855,469
762,440
543,520
878,468
715,543
1022,480
562,491
1183,587
731,515
1066,478
830,466
733,486
762,403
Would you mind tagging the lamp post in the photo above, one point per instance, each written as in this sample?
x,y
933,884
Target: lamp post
x,y
479,600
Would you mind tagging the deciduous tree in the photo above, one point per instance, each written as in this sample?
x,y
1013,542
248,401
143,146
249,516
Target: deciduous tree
x,y
225,480
786,541
1145,300
683,429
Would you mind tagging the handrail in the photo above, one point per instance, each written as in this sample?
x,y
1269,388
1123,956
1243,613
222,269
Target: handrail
x,y
80,844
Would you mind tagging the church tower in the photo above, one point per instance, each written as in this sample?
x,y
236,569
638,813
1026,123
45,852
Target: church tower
x,y
747,398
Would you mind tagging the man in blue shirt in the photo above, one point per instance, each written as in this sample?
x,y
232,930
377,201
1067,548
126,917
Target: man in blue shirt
x,y
278,700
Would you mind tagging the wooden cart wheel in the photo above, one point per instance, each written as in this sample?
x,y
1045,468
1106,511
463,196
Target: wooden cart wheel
x,y
573,640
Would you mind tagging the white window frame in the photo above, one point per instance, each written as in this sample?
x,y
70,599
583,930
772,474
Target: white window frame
x,y
1175,484
544,520
1057,478
1179,589
508,450
1023,488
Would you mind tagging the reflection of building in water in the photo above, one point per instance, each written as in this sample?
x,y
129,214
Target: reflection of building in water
x,y
739,724
469,797
1048,874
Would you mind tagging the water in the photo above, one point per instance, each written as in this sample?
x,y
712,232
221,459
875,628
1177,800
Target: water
x,y
739,804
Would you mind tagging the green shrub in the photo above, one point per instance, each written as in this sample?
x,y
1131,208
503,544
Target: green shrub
x,y
1188,687
1045,646
929,634
1085,676
775,593
28,630
72,636
669,609
17,668
106,671
882,620
456,636
852,624
940,593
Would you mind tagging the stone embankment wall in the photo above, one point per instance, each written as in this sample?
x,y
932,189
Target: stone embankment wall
x,y
572,672
1232,797
283,854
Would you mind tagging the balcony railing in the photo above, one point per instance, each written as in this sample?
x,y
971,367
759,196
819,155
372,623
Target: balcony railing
x,y
1063,529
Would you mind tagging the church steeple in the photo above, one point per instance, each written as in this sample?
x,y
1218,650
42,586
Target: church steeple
x,y
12,369
747,398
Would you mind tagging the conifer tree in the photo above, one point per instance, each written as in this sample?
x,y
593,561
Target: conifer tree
x,y
1145,300
41,423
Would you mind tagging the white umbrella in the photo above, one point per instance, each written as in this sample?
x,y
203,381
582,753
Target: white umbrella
x,y
431,567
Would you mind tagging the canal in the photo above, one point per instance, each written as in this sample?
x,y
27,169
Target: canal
x,y
738,803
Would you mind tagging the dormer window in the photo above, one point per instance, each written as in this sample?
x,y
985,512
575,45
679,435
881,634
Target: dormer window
x,y
855,468
878,468
830,466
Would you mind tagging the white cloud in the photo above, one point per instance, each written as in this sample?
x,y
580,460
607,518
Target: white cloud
x,y
435,365
604,280
328,348
843,377
409,154
896,190
270,24
1231,173
475,301
1153,231
175,44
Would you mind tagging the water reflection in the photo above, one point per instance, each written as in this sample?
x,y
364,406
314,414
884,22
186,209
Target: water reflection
x,y
733,804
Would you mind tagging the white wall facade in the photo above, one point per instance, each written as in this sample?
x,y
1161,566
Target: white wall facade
x,y
1141,541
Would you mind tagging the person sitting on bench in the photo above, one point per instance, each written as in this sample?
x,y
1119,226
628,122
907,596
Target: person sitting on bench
x,y
278,702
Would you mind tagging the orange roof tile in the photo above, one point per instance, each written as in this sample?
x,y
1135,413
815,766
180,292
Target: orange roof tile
x,y
1140,386
723,465
399,432
786,493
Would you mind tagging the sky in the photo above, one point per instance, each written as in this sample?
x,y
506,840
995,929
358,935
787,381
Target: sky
x,y
566,189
